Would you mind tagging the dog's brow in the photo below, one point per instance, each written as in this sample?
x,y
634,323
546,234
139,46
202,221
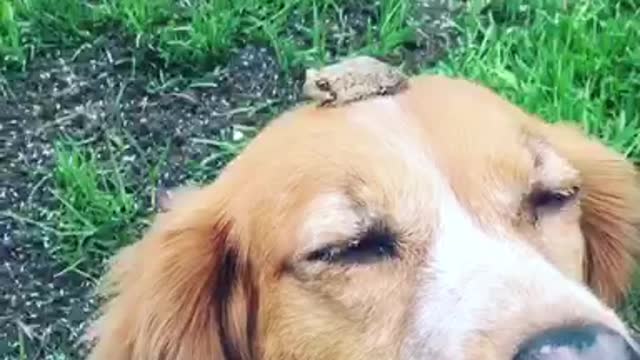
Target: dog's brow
x,y
351,190
550,168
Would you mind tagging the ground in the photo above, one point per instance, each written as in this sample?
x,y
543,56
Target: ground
x,y
103,103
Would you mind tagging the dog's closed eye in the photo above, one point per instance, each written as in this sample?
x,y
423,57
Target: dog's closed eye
x,y
378,242
553,198
545,200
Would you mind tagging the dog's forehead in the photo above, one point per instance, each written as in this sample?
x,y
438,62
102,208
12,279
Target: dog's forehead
x,y
476,144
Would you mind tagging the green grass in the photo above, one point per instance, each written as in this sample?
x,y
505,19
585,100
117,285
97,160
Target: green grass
x,y
30,26
96,211
9,32
203,33
579,64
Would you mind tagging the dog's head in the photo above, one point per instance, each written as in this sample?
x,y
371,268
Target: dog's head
x,y
440,223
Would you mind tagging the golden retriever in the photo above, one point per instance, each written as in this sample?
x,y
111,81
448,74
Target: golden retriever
x,y
442,222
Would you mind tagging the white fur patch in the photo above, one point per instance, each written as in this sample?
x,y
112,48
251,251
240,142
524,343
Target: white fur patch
x,y
394,129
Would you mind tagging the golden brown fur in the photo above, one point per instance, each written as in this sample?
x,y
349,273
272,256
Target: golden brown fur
x,y
221,276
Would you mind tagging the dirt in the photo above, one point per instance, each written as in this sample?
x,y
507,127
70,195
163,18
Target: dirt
x,y
89,94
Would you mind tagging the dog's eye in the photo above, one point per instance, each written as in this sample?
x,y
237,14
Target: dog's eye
x,y
553,199
375,244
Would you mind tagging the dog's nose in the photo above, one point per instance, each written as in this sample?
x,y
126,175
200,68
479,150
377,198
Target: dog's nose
x,y
589,342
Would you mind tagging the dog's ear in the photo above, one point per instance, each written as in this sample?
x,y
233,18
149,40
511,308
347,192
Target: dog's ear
x,y
610,209
185,291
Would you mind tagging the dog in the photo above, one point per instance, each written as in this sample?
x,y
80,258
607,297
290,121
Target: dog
x,y
442,222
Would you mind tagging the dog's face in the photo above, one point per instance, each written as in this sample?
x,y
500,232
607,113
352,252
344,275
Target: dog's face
x,y
441,223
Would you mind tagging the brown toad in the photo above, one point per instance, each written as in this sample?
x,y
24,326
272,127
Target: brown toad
x,y
353,79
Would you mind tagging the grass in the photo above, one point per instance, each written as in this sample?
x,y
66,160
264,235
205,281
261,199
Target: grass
x,y
9,32
202,33
31,26
580,63
96,210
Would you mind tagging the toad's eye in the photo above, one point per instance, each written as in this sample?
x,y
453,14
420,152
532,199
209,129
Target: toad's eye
x,y
377,243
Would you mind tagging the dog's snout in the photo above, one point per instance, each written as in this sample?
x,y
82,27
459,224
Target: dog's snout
x,y
589,342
